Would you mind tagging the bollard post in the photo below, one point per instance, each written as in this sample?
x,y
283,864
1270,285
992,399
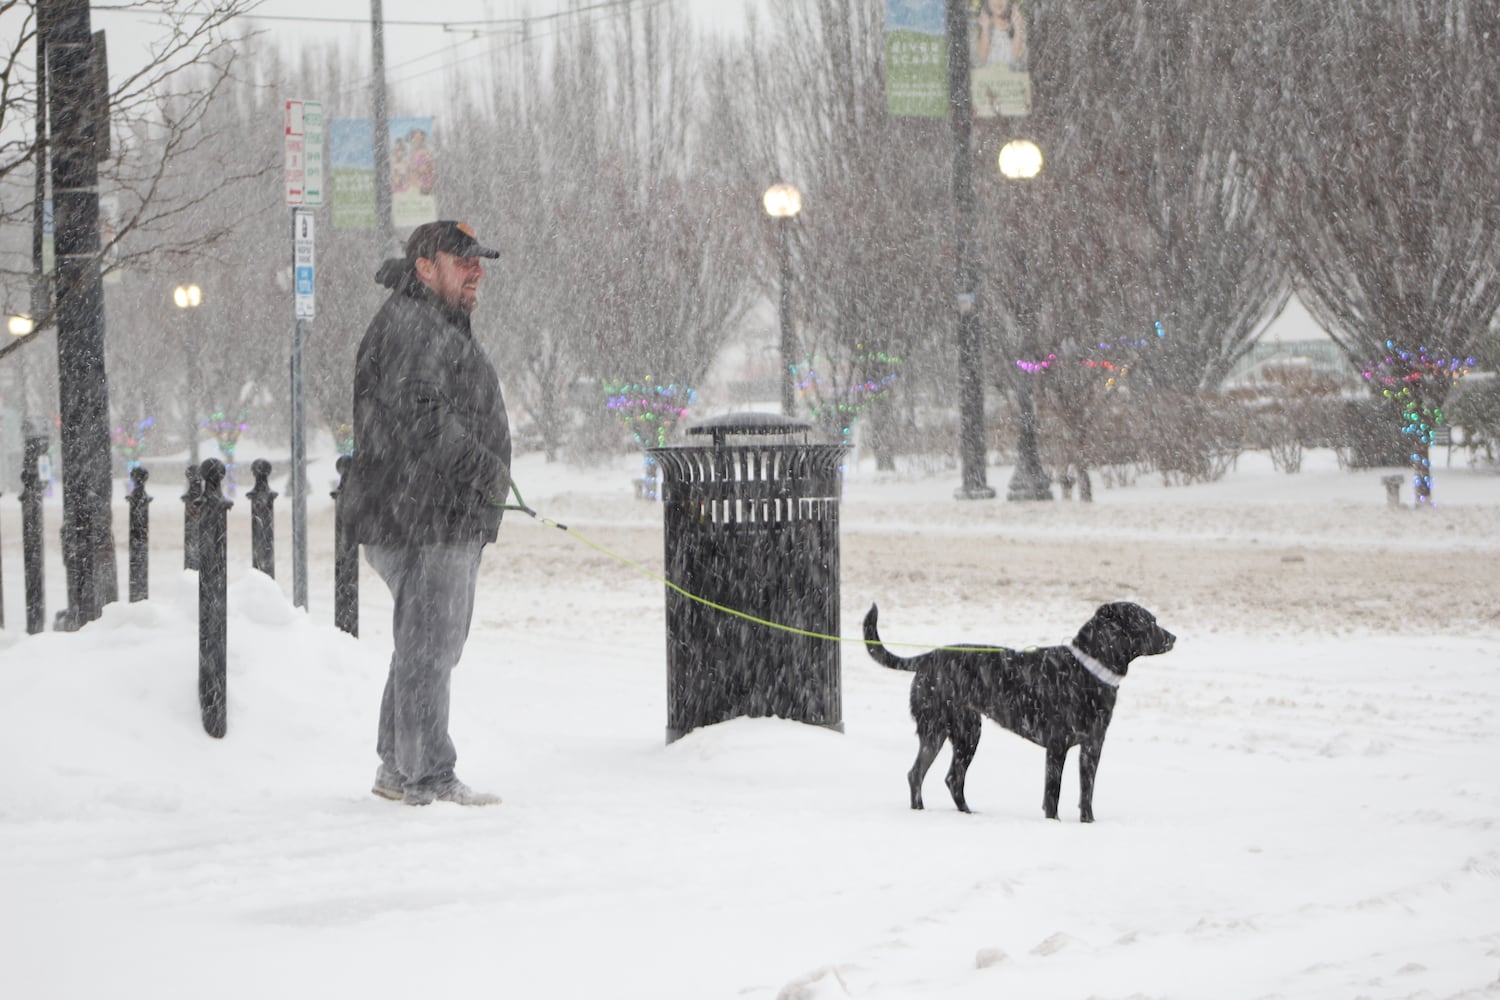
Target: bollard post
x,y
1392,489
262,519
192,506
213,600
345,559
31,533
140,534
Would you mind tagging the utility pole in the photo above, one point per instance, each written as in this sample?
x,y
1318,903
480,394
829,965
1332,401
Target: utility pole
x,y
381,137
970,350
41,301
83,391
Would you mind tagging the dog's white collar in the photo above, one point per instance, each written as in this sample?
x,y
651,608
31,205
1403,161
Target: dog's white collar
x,y
1096,668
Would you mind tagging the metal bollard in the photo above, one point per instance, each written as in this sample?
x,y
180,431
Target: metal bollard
x,y
1392,486
31,533
262,520
191,507
213,599
140,534
345,559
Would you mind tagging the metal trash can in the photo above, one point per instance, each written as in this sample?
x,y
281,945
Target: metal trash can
x,y
752,524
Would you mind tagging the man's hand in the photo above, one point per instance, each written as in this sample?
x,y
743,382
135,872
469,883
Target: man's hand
x,y
498,492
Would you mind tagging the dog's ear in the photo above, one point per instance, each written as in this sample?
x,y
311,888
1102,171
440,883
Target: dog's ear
x,y
1115,612
1128,614
1109,634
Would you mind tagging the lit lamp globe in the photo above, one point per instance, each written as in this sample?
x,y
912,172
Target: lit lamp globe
x,y
782,201
1020,159
21,326
187,296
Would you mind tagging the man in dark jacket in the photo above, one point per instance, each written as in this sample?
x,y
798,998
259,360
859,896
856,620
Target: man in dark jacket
x,y
431,470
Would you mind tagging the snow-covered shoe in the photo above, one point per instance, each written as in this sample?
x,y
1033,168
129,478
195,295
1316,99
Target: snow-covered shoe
x,y
448,790
388,784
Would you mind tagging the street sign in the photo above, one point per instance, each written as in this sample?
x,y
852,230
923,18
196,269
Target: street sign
x,y
296,154
312,148
302,262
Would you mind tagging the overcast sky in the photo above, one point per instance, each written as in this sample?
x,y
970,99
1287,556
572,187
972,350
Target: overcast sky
x,y
425,37
421,34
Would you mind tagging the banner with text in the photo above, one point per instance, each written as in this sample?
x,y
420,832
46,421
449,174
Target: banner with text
x,y
916,58
413,172
999,78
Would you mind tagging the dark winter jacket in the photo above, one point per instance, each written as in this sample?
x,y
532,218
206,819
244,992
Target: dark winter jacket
x,y
431,436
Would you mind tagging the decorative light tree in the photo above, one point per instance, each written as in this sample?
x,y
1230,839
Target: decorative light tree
x,y
226,432
649,411
835,395
130,443
1079,388
1417,382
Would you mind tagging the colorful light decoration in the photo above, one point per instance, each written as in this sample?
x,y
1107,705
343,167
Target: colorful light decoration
x,y
343,437
1036,367
130,444
649,411
842,403
226,433
1398,372
1113,372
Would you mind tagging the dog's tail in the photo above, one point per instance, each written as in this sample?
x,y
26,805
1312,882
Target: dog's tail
x,y
877,651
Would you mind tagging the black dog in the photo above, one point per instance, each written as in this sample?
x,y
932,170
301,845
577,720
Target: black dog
x,y
1056,696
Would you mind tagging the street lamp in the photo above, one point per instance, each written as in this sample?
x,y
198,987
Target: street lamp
x,y
1021,160
783,202
191,297
21,326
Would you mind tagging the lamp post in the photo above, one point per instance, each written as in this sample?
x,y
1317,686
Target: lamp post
x,y
1021,160
191,297
22,325
971,449
782,202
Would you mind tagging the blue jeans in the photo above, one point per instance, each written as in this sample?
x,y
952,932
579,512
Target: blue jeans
x,y
433,587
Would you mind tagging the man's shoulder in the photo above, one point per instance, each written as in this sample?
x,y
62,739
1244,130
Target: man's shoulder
x,y
400,314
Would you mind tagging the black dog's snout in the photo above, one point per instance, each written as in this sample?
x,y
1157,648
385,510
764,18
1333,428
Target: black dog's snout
x,y
1168,640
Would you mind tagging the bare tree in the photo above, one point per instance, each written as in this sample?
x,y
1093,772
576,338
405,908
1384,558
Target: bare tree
x,y
1150,217
872,247
621,216
154,112
1389,188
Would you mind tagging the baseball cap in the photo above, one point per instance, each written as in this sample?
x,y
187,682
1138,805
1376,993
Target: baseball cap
x,y
445,236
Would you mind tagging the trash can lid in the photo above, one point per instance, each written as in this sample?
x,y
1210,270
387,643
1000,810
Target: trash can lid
x,y
749,422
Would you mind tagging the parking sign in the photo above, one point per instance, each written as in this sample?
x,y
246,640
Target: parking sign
x,y
302,262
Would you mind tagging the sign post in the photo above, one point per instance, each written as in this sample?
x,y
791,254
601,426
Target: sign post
x,y
304,192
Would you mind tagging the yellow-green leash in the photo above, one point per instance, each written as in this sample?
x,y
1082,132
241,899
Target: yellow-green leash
x,y
521,505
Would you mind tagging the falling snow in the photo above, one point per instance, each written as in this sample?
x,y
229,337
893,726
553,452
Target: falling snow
x,y
1298,801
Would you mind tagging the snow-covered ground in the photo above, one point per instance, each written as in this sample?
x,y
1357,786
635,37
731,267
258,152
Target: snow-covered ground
x,y
1299,801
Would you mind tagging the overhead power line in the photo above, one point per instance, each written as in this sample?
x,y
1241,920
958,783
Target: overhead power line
x,y
478,24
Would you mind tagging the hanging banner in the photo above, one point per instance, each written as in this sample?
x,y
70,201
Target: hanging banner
x,y
352,167
916,58
1000,81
